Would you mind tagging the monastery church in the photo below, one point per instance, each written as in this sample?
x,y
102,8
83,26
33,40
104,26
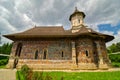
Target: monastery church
x,y
52,47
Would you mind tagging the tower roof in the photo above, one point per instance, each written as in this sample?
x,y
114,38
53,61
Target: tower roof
x,y
76,12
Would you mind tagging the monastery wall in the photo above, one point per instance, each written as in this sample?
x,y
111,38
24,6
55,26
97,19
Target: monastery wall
x,y
89,54
54,49
84,50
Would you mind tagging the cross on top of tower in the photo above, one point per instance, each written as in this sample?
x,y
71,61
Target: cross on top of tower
x,y
76,9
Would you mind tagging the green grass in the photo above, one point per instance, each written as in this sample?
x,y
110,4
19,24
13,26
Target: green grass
x,y
19,75
82,75
3,63
3,66
86,75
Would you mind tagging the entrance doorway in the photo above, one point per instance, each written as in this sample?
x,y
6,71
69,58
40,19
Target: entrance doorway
x,y
18,50
17,54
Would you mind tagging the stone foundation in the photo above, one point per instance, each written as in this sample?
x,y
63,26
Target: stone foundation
x,y
55,65
88,66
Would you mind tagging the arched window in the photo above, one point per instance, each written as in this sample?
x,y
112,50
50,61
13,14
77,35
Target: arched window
x,y
62,54
78,20
86,52
36,54
95,45
18,50
45,54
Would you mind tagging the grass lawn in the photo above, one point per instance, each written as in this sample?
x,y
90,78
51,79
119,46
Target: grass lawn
x,y
3,66
3,63
83,75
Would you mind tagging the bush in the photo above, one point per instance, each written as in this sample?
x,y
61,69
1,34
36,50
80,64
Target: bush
x,y
114,57
3,57
114,64
3,62
27,72
19,76
38,76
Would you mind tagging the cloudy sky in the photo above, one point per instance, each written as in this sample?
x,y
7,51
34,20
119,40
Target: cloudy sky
x,y
20,15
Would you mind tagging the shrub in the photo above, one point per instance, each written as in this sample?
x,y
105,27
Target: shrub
x,y
38,76
27,72
114,57
3,62
114,64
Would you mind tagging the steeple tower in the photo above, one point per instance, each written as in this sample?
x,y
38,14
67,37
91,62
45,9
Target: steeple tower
x,y
76,19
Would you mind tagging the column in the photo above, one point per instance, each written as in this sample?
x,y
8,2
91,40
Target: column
x,y
101,61
99,53
73,52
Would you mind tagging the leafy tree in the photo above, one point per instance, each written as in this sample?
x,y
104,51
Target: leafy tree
x,y
5,49
114,48
118,46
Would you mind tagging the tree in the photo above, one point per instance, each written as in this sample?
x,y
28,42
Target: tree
x,y
6,48
114,48
118,46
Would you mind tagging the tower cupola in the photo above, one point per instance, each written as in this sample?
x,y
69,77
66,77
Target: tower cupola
x,y
77,18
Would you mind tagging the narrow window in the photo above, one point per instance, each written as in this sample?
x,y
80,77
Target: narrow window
x,y
62,54
44,55
78,20
86,52
36,54
94,44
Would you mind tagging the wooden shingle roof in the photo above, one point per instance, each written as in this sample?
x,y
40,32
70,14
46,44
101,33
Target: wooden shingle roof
x,y
56,32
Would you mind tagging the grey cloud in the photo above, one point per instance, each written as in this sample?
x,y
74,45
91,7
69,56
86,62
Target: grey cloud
x,y
103,11
52,12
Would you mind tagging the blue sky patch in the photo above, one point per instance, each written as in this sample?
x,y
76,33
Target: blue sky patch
x,y
109,27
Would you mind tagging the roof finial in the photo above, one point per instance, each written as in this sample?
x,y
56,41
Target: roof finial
x,y
35,25
76,9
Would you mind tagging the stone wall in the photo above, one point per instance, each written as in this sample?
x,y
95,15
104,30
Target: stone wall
x,y
104,52
46,64
84,50
59,54
55,49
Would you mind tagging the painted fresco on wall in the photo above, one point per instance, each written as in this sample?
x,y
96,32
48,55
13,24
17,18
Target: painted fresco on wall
x,y
56,50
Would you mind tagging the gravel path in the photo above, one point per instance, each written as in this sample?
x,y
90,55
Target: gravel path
x,y
8,74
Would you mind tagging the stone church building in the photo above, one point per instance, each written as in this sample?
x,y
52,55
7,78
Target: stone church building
x,y
52,47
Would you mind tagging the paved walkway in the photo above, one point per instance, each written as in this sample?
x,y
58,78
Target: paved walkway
x,y
8,74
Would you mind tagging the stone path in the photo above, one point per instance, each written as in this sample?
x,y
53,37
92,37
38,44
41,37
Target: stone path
x,y
8,74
